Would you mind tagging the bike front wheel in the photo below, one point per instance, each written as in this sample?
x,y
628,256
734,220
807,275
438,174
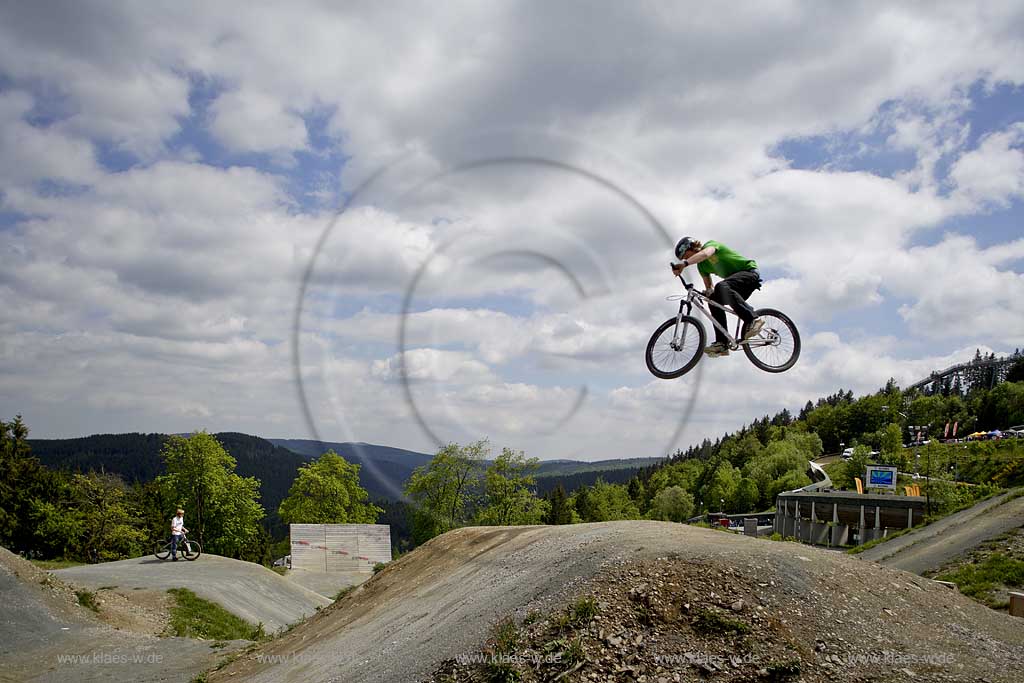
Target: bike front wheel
x,y
777,346
162,550
672,353
191,550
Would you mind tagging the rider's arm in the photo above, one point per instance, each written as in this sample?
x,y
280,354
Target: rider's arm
x,y
702,255
707,282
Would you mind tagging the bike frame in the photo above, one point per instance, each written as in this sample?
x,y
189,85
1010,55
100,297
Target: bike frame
x,y
183,543
694,298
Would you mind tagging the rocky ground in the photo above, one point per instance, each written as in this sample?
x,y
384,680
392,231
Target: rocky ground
x,y
672,619
640,601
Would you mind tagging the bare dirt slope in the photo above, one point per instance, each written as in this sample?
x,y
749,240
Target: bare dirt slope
x,y
248,590
45,635
815,608
929,548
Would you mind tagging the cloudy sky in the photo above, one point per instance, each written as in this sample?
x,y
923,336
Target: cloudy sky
x,y
493,190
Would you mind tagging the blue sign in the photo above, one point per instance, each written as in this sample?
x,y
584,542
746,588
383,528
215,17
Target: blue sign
x,y
881,476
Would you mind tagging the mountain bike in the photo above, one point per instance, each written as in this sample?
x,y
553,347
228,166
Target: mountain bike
x,y
678,344
190,550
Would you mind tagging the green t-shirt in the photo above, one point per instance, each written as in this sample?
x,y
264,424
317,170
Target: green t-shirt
x,y
724,262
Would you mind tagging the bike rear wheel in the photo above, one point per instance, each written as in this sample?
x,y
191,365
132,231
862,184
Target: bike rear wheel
x,y
670,355
162,550
190,550
776,347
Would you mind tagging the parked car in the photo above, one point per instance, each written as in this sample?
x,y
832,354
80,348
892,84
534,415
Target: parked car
x,y
847,454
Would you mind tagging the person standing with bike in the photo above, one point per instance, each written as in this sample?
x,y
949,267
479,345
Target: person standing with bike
x,y
178,532
739,280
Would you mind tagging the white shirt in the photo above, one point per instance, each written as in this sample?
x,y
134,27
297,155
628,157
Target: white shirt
x,y
177,524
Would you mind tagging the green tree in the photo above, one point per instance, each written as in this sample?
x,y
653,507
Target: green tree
x,y
327,491
90,517
747,496
782,467
222,509
508,498
442,490
559,510
857,465
24,484
1016,371
672,504
608,502
892,440
112,528
580,503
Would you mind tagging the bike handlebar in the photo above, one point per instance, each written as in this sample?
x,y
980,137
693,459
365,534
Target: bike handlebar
x,y
682,279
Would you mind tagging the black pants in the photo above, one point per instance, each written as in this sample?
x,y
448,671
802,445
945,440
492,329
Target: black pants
x,y
734,291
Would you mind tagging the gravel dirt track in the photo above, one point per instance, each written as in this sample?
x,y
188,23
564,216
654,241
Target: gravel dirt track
x,y
441,600
929,548
248,590
42,623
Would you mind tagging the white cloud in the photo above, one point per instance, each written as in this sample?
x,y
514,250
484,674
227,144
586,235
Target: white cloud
x,y
177,269
994,172
431,365
32,153
250,121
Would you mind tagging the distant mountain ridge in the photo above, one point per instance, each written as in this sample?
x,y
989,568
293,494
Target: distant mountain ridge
x,y
275,462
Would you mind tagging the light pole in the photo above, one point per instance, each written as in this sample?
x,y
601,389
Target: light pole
x,y
928,482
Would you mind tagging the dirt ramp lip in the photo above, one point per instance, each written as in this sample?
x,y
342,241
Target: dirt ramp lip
x,y
442,600
247,590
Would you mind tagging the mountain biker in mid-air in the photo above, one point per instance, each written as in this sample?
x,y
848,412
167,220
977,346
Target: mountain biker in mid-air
x,y
178,532
739,280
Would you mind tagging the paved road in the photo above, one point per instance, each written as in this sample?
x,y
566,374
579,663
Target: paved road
x,y
929,548
249,590
43,638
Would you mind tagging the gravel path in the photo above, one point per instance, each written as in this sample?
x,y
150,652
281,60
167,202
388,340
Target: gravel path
x,y
46,636
929,548
441,601
248,590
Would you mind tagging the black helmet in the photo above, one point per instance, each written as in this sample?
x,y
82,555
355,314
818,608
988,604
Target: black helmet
x,y
682,245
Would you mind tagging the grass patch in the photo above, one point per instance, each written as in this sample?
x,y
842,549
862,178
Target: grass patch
x,y
194,617
878,541
505,635
279,570
379,567
87,599
584,610
56,564
343,592
715,624
979,580
574,652
504,639
561,621
532,617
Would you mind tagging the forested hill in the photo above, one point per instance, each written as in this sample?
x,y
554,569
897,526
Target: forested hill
x,y
357,452
136,457
275,462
